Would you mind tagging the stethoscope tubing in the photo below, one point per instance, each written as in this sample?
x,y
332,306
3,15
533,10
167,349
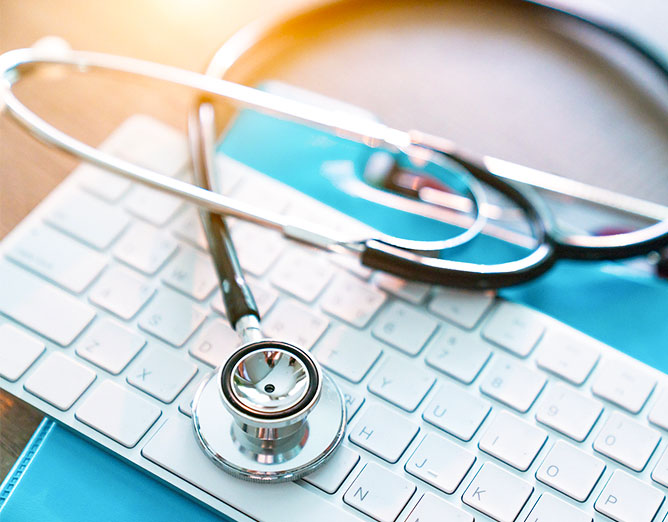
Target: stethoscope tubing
x,y
240,46
400,257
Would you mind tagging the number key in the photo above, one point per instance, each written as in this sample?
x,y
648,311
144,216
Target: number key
x,y
404,328
569,412
627,441
623,384
514,327
352,300
513,384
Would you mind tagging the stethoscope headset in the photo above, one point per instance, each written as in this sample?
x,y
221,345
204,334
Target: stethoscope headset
x,y
270,413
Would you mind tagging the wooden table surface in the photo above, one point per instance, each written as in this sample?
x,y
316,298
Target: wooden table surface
x,y
402,71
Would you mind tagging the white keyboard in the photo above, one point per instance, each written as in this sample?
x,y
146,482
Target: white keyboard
x,y
461,406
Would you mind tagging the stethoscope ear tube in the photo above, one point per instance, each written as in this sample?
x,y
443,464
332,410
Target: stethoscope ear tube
x,y
236,294
457,274
542,222
417,267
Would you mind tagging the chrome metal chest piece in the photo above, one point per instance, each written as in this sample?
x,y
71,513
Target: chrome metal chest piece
x,y
269,413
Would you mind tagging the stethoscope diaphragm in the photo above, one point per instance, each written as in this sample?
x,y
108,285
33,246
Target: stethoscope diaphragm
x,y
269,414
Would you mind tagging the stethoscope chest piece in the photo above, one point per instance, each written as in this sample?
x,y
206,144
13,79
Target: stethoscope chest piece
x,y
269,413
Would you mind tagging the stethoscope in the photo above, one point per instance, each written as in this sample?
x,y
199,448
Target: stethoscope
x,y
270,413
250,417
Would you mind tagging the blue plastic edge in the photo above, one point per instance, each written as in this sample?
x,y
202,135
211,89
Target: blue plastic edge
x,y
17,471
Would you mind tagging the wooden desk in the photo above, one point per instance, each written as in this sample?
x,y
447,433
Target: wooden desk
x,y
463,70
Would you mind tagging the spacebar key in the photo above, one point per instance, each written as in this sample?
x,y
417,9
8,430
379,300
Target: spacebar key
x,y
40,306
175,449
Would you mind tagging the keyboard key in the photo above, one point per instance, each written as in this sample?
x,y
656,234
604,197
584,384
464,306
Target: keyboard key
x,y
257,247
512,384
352,399
410,291
659,413
118,413
149,143
265,298
121,292
145,248
627,441
461,307
570,356
347,352
102,183
161,374
660,472
215,343
18,351
352,300
379,493
404,328
440,463
152,205
497,493
570,470
514,327
302,274
623,384
171,317
88,219
627,499
188,227
192,273
430,508
403,385
568,411
295,324
58,258
551,509
175,449
330,477
510,439
383,432
41,307
59,380
461,355
109,345
351,264
456,411
187,397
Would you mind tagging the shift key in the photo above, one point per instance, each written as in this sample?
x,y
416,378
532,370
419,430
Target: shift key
x,y
40,306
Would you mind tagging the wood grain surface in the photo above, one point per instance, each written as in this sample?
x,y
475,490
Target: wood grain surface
x,y
495,78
